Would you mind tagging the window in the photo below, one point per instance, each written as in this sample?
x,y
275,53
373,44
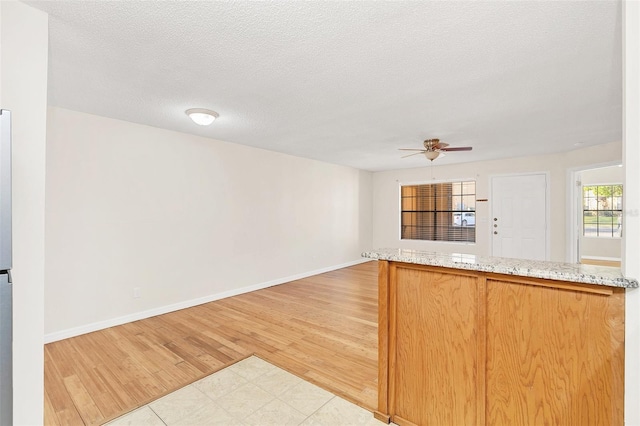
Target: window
x,y
438,212
602,211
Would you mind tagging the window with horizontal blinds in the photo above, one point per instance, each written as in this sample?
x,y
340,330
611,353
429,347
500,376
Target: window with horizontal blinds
x,y
602,211
439,211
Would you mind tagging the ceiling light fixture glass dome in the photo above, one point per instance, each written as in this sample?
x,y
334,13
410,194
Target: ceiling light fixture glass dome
x,y
201,116
431,155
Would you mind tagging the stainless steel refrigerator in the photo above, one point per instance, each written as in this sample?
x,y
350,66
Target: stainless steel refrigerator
x,y
6,294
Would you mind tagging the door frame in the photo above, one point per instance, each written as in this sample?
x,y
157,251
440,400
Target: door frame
x,y
572,222
547,198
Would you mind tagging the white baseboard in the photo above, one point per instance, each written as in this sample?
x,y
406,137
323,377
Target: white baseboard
x,y
100,325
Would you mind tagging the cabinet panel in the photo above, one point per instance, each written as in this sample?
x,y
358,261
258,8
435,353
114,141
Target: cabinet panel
x,y
434,365
554,356
473,348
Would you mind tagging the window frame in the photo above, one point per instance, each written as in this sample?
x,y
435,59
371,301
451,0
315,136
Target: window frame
x,y
615,233
435,182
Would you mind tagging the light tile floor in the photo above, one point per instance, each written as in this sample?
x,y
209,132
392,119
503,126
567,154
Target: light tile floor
x,y
250,392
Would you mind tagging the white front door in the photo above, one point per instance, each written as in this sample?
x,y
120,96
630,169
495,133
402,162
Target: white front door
x,y
519,216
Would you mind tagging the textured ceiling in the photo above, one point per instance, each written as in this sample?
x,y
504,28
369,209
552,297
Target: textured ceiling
x,y
349,82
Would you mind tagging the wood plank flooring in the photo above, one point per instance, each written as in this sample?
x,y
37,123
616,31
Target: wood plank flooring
x,y
322,328
599,262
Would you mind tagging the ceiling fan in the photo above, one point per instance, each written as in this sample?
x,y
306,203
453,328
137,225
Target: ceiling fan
x,y
433,148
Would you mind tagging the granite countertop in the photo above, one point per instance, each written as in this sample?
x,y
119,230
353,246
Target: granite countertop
x,y
588,274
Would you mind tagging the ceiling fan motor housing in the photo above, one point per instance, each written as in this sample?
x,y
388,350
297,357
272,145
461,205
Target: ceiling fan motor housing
x,y
432,144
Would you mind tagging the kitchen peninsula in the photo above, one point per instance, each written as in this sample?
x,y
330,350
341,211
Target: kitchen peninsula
x,y
470,340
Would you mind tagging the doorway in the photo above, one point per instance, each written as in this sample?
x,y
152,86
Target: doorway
x,y
595,215
519,216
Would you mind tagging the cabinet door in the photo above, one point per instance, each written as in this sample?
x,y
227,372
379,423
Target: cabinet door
x,y
433,367
554,356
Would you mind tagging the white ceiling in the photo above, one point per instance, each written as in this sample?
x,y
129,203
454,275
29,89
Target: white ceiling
x,y
349,82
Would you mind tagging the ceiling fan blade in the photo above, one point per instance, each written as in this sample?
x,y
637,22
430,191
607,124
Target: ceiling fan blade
x,y
458,148
411,149
415,153
441,145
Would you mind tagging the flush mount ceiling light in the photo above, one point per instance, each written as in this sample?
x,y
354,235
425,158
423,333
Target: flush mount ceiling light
x,y
202,116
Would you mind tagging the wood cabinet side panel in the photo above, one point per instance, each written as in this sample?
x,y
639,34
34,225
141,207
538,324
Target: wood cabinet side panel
x,y
481,352
435,344
554,356
383,337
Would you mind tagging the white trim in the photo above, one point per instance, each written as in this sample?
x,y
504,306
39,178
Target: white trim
x,y
100,325
572,244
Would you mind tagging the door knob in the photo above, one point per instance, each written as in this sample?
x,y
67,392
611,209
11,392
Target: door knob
x,y
495,232
495,219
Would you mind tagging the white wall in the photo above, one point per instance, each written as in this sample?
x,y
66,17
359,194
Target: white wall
x,y
184,218
598,247
602,175
386,192
631,247
24,47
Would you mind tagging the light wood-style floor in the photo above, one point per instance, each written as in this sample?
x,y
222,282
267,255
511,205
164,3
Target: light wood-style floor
x,y
322,328
597,262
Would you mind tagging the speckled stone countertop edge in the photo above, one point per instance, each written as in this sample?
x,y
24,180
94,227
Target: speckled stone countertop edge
x,y
585,274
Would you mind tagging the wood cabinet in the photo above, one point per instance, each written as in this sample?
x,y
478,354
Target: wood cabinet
x,y
472,348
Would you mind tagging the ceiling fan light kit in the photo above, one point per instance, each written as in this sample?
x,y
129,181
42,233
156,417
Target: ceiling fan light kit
x,y
431,155
202,116
433,148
